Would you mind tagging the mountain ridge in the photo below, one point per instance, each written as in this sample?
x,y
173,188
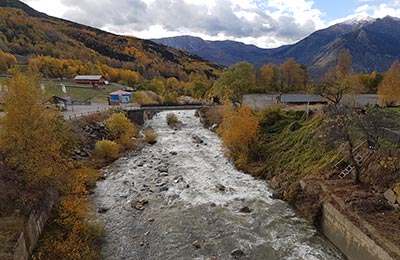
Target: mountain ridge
x,y
26,32
372,43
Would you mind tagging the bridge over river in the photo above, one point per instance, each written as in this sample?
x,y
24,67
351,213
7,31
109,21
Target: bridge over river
x,y
139,114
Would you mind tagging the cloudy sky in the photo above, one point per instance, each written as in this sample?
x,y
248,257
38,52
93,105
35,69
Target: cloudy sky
x,y
265,23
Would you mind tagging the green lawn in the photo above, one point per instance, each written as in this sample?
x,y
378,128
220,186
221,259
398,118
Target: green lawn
x,y
79,92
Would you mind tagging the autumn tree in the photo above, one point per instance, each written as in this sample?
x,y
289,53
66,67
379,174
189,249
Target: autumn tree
x,y
348,126
75,235
292,76
269,78
235,82
237,130
337,81
172,84
156,85
32,138
7,60
389,89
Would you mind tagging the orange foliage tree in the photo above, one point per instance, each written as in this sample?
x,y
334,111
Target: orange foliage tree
x,y
389,89
238,129
77,236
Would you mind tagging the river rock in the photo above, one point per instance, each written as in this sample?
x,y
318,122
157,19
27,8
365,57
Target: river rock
x,y
277,195
103,210
196,244
164,188
139,204
220,187
163,169
196,139
163,174
161,184
390,196
178,179
245,209
237,254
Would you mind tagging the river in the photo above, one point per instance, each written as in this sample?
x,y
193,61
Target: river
x,y
182,200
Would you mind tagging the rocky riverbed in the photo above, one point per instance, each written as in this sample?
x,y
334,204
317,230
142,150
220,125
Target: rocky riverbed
x,y
181,199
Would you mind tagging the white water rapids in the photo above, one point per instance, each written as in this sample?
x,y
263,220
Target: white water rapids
x,y
195,196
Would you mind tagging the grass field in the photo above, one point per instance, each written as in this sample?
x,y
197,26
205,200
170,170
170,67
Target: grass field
x,y
79,92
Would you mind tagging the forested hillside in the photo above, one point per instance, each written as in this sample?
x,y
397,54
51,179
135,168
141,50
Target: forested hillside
x,y
27,33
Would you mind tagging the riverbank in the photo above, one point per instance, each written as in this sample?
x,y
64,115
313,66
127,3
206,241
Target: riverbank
x,y
288,151
71,212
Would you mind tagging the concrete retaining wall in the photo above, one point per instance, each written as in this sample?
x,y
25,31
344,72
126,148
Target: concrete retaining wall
x,y
29,238
354,243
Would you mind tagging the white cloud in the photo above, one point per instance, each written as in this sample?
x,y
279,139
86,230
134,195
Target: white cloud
x,y
266,24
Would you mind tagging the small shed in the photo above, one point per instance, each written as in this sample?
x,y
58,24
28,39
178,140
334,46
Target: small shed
x,y
120,96
91,79
59,102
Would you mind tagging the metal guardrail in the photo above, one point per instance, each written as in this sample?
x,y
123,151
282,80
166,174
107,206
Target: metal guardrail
x,y
157,107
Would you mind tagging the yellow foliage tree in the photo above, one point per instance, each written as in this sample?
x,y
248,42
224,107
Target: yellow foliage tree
x,y
389,89
238,129
7,60
122,130
32,138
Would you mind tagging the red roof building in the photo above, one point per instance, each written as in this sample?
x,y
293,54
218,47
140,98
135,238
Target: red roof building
x,y
90,79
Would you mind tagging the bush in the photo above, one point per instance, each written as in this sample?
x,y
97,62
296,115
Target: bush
x,y
141,98
90,176
122,130
150,136
211,116
238,129
172,120
106,151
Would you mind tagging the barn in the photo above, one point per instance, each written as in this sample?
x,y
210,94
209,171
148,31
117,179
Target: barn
x,y
90,79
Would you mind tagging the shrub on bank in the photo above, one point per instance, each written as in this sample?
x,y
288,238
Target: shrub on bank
x,y
211,116
150,136
172,120
238,129
122,130
106,151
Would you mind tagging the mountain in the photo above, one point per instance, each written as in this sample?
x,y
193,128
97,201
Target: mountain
x,y
25,32
373,43
222,52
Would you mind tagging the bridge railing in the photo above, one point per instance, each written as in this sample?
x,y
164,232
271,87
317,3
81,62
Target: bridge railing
x,y
168,106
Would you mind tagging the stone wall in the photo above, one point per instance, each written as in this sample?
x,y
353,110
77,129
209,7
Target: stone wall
x,y
28,239
354,243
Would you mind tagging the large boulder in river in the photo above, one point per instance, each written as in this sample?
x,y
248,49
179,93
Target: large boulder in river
x,y
197,140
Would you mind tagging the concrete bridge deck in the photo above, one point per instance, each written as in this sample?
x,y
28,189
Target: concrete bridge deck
x,y
139,114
